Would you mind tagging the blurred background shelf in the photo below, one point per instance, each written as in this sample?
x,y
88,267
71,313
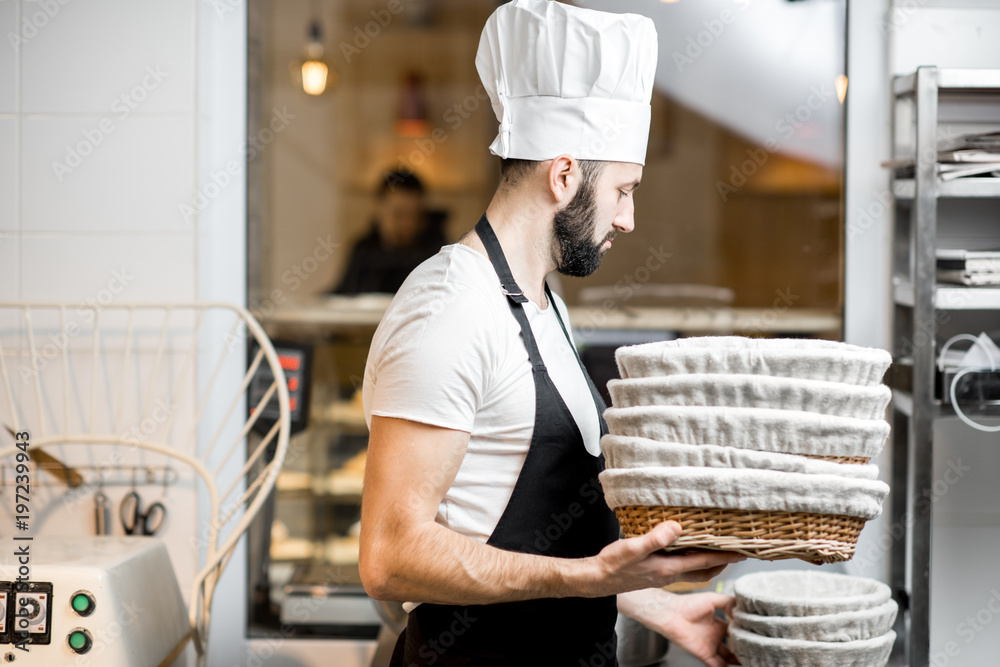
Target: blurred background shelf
x,y
905,188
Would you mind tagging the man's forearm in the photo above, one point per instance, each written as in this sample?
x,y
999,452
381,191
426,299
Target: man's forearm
x,y
431,563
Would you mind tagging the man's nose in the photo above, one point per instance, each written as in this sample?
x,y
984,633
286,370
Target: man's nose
x,y
624,222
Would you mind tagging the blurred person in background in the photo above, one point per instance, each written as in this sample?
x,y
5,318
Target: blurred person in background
x,y
402,235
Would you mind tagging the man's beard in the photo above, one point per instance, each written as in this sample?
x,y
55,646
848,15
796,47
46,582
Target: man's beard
x,y
574,229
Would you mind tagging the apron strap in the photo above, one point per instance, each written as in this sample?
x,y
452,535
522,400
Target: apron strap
x,y
598,399
515,297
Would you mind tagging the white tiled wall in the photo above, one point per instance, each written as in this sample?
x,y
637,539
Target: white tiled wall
x,y
99,147
8,172
8,58
131,180
9,267
108,46
113,114
159,268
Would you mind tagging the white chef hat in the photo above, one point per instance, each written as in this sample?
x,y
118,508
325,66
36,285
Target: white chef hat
x,y
564,79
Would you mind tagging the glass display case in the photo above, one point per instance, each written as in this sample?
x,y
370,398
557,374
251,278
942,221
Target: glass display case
x,y
304,548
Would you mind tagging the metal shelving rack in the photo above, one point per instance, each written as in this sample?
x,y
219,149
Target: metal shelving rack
x,y
918,301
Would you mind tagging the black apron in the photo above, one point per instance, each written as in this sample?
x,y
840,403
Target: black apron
x,y
556,509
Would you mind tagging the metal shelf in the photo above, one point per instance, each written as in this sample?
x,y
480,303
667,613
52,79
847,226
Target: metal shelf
x,y
916,409
952,80
971,188
948,297
903,402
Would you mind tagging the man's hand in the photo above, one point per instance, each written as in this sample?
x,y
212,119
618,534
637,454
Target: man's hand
x,y
407,555
687,620
634,563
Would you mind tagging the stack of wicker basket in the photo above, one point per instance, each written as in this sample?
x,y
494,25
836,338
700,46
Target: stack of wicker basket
x,y
802,619
756,446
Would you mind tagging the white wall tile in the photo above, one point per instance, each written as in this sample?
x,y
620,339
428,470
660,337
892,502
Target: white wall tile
x,y
88,54
9,267
9,51
133,178
8,172
118,268
10,278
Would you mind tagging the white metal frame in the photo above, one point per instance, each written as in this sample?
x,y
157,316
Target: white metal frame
x,y
259,476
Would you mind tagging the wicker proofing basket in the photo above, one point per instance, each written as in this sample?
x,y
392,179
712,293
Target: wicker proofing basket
x,y
756,651
845,626
815,538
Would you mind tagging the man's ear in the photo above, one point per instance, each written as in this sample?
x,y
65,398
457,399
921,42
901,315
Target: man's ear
x,y
564,178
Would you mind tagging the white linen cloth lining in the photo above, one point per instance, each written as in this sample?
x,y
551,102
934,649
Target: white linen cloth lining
x,y
753,391
741,489
756,651
625,452
845,626
804,359
784,431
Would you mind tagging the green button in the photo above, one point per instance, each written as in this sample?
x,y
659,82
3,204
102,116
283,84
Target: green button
x,y
77,640
81,603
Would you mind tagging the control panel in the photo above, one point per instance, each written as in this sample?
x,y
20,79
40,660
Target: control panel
x,y
296,361
29,612
105,601
26,619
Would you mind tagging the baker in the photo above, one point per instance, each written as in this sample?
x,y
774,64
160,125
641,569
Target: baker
x,y
481,503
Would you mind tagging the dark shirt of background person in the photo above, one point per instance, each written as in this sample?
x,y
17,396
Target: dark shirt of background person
x,y
402,235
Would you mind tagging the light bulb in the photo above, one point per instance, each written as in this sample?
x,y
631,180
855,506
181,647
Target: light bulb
x,y
841,84
314,77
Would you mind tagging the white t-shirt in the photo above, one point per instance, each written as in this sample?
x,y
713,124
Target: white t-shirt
x,y
449,352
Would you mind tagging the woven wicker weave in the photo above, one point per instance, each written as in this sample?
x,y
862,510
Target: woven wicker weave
x,y
850,460
816,538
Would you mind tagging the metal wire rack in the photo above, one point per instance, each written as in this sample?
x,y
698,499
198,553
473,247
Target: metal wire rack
x,y
104,388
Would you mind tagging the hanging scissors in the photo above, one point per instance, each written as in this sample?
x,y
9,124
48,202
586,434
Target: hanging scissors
x,y
137,522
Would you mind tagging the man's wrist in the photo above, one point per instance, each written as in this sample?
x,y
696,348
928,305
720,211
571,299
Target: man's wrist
x,y
578,577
